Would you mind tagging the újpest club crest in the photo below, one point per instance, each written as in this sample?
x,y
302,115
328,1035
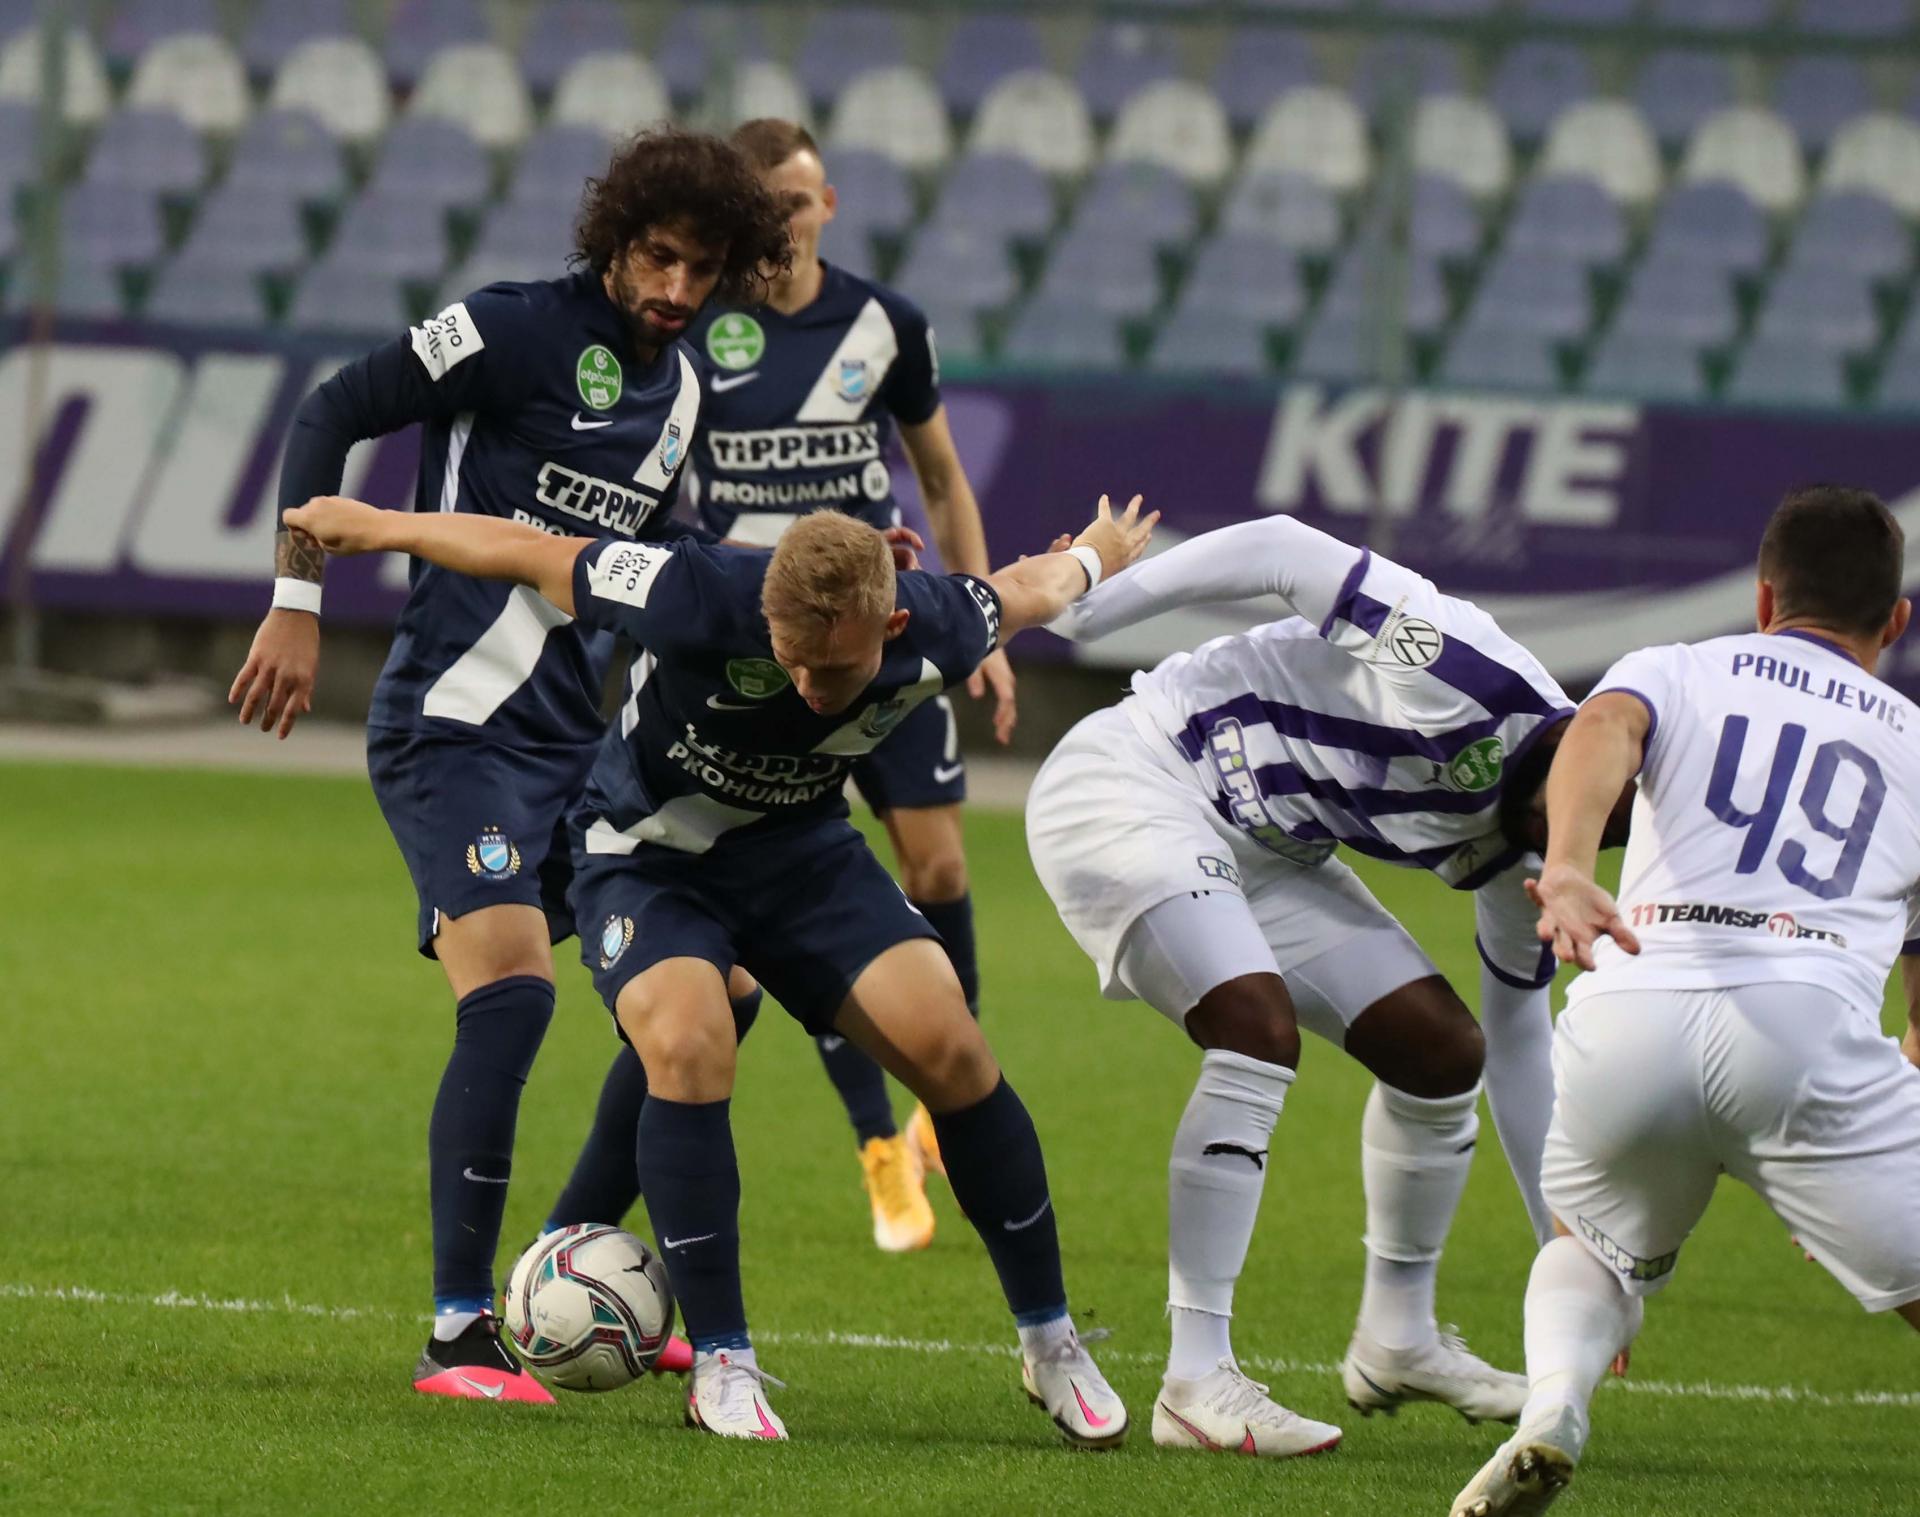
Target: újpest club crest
x,y
614,938
854,376
672,447
493,856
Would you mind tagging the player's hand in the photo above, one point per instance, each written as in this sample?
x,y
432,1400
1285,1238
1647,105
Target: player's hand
x,y
1119,540
907,546
277,679
1910,1045
1575,913
996,674
339,525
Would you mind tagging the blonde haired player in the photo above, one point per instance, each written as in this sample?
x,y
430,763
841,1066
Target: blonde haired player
x,y
1731,1019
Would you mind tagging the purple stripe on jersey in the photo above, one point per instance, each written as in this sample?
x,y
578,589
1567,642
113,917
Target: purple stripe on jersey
x,y
1498,865
1653,711
1542,975
1412,858
1349,587
1818,641
1290,779
1326,731
1501,690
1910,947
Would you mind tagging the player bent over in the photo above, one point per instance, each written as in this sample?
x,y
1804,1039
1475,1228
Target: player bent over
x,y
569,404
1731,1019
714,832
1384,717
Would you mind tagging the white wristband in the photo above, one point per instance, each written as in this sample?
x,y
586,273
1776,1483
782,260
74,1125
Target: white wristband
x,y
1090,561
291,594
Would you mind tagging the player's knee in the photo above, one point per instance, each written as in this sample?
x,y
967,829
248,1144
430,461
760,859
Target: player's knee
x,y
939,874
1421,1039
688,1049
956,1069
1251,1015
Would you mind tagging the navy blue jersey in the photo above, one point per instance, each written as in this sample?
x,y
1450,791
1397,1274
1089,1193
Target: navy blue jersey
x,y
539,412
800,409
712,735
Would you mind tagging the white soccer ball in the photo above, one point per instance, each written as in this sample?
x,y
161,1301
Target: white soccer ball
x,y
588,1308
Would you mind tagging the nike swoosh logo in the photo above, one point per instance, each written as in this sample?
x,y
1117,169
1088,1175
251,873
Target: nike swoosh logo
x,y
483,1179
725,382
946,774
1193,1432
766,1429
717,704
1015,1227
491,1392
683,1242
1093,1418
589,426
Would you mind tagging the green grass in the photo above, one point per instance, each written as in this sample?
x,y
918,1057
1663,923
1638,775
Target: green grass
x,y
219,1054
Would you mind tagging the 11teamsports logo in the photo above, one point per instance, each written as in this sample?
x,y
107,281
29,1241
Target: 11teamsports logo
x,y
598,377
736,341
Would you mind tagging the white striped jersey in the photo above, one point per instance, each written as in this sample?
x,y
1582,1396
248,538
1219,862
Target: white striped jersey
x,y
1776,835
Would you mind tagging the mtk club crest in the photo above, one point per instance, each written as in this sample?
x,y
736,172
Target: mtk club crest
x,y
853,378
672,445
493,855
614,938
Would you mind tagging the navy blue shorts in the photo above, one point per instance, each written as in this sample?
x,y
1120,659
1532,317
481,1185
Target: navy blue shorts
x,y
479,824
804,909
918,764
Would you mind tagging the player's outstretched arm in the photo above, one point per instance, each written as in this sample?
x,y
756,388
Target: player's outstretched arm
x,y
1036,590
1600,754
484,547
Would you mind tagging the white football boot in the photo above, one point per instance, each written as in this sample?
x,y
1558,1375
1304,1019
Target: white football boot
x,y
1528,1471
1228,1413
1064,1381
727,1398
1380,1379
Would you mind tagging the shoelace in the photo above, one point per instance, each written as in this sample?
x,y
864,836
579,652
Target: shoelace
x,y
1244,1397
754,1370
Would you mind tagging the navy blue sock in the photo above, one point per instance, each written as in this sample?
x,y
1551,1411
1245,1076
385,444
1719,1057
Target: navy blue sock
x,y
692,1185
999,1178
862,1085
953,920
497,1032
604,1183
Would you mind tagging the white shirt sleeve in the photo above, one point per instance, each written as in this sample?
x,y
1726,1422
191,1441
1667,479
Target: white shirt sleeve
x,y
1912,943
1649,675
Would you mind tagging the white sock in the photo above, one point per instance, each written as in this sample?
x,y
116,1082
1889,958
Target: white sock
x,y
450,1325
1214,1180
1414,1158
1039,1335
1577,1318
1200,1341
1519,1079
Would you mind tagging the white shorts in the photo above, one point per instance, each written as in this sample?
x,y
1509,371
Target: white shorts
x,y
1115,830
1785,1087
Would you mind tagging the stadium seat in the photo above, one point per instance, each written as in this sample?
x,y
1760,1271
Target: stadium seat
x,y
1050,333
1714,15
684,54
87,290
1822,309
983,50
1582,12
874,193
391,239
1136,203
287,155
1177,125
192,293
1441,10
956,333
1816,95
197,77
1854,18
1121,279
1344,348
433,162
89,97
1248,278
135,25
895,111
1357,290
1715,224
1880,154
1853,230
556,161
1534,82
1568,216
1257,64
1441,219
1039,117
616,94
109,227
339,81
1899,385
19,152
476,85
417,29
1197,341
335,297
1314,131
1405,68
1645,367
280,26
480,269
1609,142
1120,59
148,151
851,249
527,234
1773,373
760,87
1678,302
1460,138
1752,148
997,193
1499,358
9,231
559,33
959,266
1285,208
1676,91
239,230
842,43
1545,297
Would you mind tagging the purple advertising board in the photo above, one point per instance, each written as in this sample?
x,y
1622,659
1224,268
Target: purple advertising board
x,y
1588,526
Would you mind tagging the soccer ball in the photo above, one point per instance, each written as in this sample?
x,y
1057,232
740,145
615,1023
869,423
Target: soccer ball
x,y
588,1308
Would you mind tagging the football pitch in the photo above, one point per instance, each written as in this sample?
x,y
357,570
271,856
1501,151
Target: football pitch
x,y
220,1050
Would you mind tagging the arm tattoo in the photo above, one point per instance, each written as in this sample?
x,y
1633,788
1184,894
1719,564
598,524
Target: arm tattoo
x,y
297,557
